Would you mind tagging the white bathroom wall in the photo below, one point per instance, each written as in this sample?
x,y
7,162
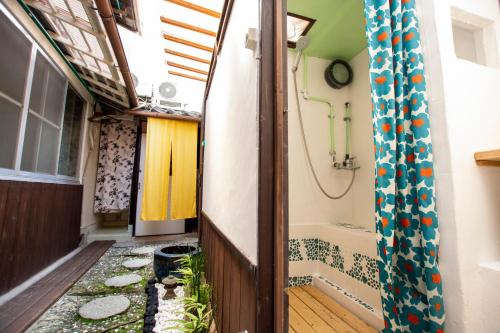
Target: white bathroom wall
x,y
464,102
307,204
230,167
362,143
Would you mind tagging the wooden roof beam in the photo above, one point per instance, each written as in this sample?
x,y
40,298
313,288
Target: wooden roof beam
x,y
104,86
112,98
187,26
187,68
192,6
153,114
187,56
187,76
188,43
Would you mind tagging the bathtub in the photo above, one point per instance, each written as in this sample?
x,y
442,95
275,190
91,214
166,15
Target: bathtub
x,y
340,260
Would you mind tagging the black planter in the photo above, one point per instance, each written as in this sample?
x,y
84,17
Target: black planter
x,y
165,259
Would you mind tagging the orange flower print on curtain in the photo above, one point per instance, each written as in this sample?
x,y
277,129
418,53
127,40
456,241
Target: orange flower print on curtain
x,y
406,218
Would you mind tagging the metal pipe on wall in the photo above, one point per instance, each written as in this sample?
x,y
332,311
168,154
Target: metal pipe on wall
x,y
108,19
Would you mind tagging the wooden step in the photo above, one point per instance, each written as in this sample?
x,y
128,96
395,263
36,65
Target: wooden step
x,y
21,312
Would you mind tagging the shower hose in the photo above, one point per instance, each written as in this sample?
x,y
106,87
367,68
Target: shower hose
x,y
308,155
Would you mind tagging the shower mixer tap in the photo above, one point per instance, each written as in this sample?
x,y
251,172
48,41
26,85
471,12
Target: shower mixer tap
x,y
348,164
333,154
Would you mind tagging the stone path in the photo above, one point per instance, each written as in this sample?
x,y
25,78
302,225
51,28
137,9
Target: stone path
x,y
104,307
64,315
122,280
143,250
136,263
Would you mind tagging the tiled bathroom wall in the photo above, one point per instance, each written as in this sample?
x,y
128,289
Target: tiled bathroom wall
x,y
344,255
360,267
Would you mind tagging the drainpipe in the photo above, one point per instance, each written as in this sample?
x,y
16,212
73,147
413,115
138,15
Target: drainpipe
x,y
108,19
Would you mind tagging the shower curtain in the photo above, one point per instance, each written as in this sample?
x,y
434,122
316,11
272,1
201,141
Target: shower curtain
x,y
115,166
406,218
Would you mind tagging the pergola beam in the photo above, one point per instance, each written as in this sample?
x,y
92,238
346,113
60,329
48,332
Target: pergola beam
x,y
198,8
187,56
187,26
187,68
187,43
187,76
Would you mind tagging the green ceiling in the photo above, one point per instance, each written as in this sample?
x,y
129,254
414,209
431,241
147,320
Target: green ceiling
x,y
339,30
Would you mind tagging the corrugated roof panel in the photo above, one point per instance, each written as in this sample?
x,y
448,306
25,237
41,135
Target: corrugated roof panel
x,y
80,35
75,35
94,44
78,10
60,6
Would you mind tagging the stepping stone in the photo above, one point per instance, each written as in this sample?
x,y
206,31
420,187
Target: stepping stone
x,y
143,250
122,280
104,307
136,263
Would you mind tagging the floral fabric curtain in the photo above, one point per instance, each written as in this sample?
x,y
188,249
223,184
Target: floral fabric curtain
x,y
406,218
115,166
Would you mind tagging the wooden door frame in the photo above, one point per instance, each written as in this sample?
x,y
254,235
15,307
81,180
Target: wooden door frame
x,y
272,274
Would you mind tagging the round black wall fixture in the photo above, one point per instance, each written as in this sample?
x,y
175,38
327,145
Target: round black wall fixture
x,y
338,74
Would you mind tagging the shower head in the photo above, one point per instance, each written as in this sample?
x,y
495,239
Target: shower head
x,y
300,45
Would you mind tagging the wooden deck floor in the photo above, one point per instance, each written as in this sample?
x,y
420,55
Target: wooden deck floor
x,y
21,312
310,310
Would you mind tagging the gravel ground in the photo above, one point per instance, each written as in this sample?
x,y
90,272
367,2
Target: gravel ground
x,y
63,315
168,310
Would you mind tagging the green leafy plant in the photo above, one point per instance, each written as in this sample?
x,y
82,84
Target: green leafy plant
x,y
198,314
192,273
198,319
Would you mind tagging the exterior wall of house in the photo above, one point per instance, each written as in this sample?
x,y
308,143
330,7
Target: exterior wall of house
x,y
463,102
230,167
40,214
39,223
229,212
90,221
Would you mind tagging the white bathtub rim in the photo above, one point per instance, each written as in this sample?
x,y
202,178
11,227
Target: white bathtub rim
x,y
340,225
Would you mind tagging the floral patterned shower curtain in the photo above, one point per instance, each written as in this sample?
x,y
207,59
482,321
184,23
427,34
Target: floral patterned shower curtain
x,y
115,166
406,219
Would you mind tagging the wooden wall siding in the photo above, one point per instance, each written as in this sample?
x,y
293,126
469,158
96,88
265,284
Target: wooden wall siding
x,y
39,223
233,278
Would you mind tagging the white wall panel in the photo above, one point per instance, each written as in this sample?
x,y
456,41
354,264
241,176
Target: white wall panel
x,y
230,171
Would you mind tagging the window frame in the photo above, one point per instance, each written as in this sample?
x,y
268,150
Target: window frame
x,y
16,174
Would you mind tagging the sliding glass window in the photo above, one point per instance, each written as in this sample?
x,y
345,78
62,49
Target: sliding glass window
x,y
14,63
41,116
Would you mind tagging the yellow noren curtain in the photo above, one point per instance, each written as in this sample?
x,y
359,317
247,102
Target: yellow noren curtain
x,y
165,137
184,156
157,170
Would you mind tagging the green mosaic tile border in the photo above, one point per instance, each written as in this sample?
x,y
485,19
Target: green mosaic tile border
x,y
294,250
294,281
364,268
